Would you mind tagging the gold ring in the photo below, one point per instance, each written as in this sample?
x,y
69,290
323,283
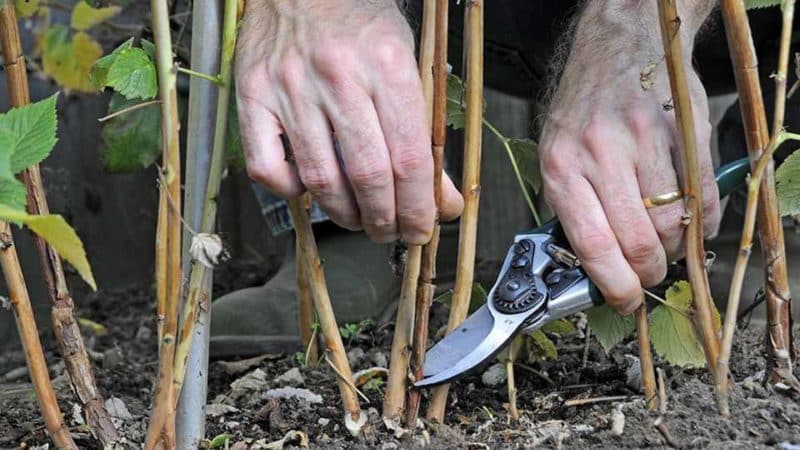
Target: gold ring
x,y
662,199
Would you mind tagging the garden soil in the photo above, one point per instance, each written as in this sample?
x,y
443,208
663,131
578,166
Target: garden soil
x,y
257,402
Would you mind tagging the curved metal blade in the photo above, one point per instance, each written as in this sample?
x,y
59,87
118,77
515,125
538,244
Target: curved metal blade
x,y
469,345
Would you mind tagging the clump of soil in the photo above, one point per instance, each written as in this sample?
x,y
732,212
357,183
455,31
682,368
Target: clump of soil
x,y
244,403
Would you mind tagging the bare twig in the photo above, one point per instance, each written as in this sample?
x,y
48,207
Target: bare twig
x,y
168,240
347,381
129,109
693,192
319,293
592,400
733,13
662,428
65,327
470,185
305,305
511,352
427,277
646,358
37,366
662,391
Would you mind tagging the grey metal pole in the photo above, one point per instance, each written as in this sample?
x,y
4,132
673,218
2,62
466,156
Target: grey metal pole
x,y
206,34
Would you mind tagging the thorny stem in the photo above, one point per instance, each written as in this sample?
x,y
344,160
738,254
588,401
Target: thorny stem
x,y
65,327
435,20
197,292
764,160
216,79
305,305
168,240
517,173
470,185
693,193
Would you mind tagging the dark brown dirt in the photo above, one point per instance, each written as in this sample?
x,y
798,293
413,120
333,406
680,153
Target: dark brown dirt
x,y
125,359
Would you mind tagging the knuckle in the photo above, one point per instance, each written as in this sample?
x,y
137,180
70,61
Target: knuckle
x,y
368,178
289,71
598,135
555,167
642,251
389,53
317,180
408,163
596,246
331,58
417,220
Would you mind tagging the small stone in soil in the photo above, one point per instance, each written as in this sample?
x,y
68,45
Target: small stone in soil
x,y
494,375
291,392
16,374
323,422
356,356
291,377
379,359
144,334
112,358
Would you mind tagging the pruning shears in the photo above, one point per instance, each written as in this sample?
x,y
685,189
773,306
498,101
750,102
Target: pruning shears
x,y
541,280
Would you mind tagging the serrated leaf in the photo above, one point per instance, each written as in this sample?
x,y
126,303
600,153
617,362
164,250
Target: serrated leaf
x,y
26,8
85,16
68,59
29,133
609,327
133,139
148,48
456,105
98,74
787,180
672,332
476,300
526,155
234,152
751,4
12,191
57,232
560,326
546,348
133,74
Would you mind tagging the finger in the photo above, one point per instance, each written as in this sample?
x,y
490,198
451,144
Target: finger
x,y
401,112
265,155
314,155
366,161
712,213
657,176
452,203
612,174
594,242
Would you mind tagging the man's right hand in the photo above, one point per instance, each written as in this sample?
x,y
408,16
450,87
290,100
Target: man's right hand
x,y
309,68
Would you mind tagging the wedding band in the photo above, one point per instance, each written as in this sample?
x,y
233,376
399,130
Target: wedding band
x,y
662,199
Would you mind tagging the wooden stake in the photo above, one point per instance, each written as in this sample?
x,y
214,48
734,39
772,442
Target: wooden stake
x,y
438,9
305,305
65,327
646,358
693,191
761,187
168,240
470,185
37,366
309,255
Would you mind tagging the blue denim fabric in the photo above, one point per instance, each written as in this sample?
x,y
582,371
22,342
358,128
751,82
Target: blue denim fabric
x,y
276,211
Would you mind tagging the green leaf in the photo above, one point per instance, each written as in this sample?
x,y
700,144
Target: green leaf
x,y
476,300
149,48
221,440
133,139
609,327
560,326
527,157
85,16
133,74
787,180
544,344
456,105
672,332
99,73
57,232
68,58
29,133
234,152
26,8
751,4
12,191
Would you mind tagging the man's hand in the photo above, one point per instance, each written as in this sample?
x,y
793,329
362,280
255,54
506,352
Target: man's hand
x,y
609,142
312,68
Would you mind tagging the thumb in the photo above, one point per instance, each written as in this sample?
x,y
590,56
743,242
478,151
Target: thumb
x,y
452,201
